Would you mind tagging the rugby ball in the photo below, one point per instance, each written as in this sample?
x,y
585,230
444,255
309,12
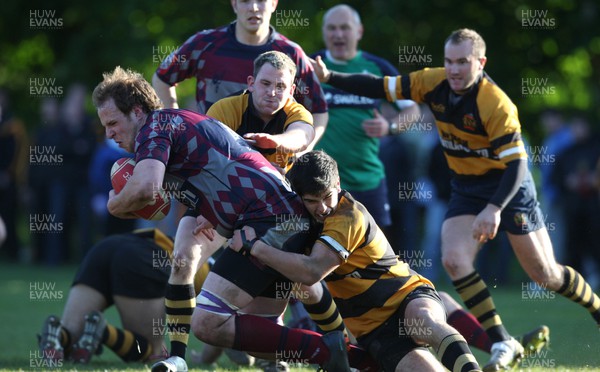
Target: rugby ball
x,y
120,173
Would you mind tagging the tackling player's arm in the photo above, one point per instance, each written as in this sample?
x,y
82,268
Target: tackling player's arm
x,y
320,123
313,99
139,190
296,137
366,85
296,267
166,92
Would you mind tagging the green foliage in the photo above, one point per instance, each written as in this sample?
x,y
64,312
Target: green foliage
x,y
95,37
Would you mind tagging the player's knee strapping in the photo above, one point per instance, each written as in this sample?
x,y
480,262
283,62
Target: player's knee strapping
x,y
212,303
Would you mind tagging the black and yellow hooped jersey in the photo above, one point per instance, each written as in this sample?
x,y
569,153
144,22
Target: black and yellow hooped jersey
x,y
370,284
238,113
479,131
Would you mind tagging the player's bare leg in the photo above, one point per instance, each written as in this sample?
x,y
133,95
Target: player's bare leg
x,y
459,250
148,326
534,252
189,253
219,329
83,318
425,322
57,336
218,320
81,301
420,360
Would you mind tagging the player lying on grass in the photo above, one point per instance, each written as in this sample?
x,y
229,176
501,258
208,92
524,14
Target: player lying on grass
x,y
393,311
129,271
120,270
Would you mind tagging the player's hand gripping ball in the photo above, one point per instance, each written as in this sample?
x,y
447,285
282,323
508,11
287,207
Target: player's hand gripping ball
x,y
121,170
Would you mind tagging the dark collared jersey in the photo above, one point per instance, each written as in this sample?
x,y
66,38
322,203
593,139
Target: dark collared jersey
x,y
239,114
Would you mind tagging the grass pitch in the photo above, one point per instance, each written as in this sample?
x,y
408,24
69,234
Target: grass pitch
x,y
30,293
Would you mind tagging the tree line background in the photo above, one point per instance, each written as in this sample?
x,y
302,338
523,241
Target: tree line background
x,y
94,37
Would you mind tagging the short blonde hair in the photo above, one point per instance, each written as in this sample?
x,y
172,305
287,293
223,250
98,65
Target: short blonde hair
x,y
463,34
279,60
128,89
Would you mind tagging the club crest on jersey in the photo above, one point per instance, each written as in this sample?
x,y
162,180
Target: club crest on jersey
x,y
438,107
520,219
469,122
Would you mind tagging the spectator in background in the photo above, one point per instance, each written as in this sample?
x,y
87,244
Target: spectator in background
x,y
105,155
69,208
574,174
355,123
78,154
558,137
43,174
597,179
440,176
409,191
13,173
399,160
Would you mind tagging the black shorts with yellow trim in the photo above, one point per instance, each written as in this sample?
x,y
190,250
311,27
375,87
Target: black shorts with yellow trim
x,y
254,277
125,265
392,341
521,215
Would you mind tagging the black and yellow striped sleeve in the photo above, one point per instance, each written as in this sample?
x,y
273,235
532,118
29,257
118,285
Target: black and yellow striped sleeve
x,y
501,121
413,86
344,231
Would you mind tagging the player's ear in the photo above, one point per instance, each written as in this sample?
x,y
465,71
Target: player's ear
x,y
137,110
482,61
250,81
